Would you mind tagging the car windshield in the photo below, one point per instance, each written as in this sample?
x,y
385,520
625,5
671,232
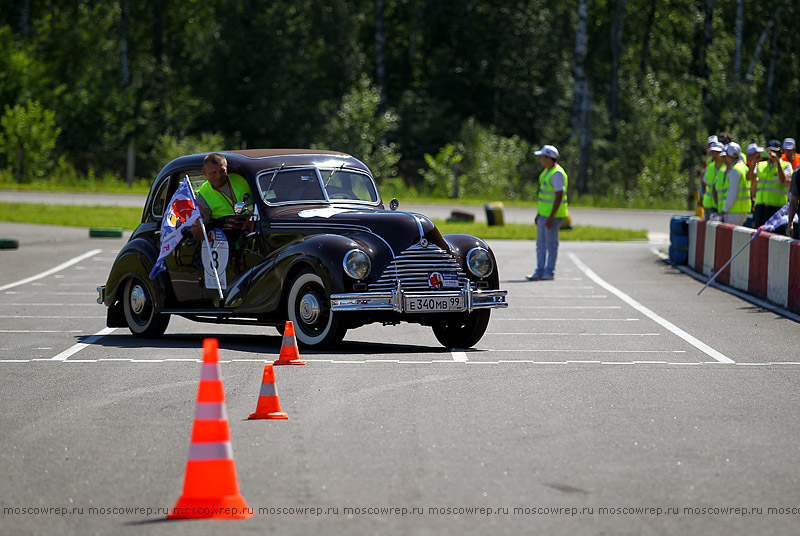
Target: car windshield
x,y
306,185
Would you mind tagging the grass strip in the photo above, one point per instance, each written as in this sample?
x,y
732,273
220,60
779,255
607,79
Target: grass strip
x,y
128,218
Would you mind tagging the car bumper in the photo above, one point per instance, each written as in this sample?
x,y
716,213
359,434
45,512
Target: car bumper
x,y
397,300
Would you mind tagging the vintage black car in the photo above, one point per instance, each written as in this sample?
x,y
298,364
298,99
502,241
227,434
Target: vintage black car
x,y
315,246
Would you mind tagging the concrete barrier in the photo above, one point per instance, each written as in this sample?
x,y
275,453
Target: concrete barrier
x,y
769,268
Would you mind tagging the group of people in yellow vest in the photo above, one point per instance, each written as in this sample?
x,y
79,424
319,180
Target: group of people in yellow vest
x,y
736,184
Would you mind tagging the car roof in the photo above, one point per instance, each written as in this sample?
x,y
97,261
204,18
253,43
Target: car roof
x,y
257,160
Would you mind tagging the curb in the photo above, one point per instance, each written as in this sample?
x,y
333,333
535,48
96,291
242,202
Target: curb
x,y
9,243
105,232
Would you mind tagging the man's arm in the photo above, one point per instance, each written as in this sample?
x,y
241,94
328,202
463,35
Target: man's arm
x,y
557,180
733,191
752,176
205,214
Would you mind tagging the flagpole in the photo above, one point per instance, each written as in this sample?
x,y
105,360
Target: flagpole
x,y
208,247
715,274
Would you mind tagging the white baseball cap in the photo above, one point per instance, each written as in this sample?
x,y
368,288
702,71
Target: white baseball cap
x,y
733,149
712,139
753,148
717,147
788,144
547,150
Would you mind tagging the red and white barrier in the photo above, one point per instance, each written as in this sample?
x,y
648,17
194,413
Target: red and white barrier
x,y
769,268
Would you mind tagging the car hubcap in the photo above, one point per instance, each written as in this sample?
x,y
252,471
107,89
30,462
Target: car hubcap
x,y
309,308
138,300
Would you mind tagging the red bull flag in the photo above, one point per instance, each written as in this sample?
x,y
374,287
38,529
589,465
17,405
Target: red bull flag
x,y
181,213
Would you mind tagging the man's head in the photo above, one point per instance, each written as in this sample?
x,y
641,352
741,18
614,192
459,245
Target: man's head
x,y
789,148
547,155
716,149
215,169
753,151
724,138
732,153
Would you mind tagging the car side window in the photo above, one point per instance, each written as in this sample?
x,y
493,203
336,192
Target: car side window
x,y
160,198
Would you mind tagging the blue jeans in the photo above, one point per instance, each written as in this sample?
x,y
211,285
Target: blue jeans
x,y
547,246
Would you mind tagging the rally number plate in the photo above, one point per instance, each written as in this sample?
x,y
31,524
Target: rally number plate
x,y
432,304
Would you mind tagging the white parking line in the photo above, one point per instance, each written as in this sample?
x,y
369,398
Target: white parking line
x,y
81,345
53,270
572,319
69,317
423,362
703,347
459,355
559,334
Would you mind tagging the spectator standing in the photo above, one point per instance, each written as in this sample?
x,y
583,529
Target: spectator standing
x,y
551,211
735,185
705,198
710,179
790,153
769,185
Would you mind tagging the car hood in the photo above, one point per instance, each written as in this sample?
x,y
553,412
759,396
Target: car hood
x,y
399,229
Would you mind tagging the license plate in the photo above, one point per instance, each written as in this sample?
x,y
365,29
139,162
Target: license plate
x,y
433,304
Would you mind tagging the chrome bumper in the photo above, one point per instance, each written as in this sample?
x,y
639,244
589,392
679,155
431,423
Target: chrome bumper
x,y
395,300
102,294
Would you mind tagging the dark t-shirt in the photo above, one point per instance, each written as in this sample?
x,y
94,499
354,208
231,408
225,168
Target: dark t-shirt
x,y
795,180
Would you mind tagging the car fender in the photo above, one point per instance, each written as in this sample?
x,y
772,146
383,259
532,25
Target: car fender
x,y
262,288
137,257
461,244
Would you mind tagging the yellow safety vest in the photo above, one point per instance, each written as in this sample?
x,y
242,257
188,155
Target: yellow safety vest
x,y
710,178
721,187
219,202
769,190
742,203
547,194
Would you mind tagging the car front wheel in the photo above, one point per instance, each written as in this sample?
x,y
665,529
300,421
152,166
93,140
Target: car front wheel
x,y
309,309
141,312
462,330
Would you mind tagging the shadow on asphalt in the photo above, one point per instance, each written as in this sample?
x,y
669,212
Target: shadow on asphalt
x,y
254,344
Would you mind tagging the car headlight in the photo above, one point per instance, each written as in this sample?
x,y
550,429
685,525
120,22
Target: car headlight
x,y
479,262
357,264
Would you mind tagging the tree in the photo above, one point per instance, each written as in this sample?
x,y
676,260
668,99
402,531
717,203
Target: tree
x,y
27,138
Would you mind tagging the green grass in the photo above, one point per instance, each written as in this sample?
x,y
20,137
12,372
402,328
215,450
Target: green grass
x,y
128,218
517,231
71,216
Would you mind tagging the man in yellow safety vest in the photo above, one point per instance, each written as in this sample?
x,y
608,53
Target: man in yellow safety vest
x,y
551,211
219,194
736,187
769,185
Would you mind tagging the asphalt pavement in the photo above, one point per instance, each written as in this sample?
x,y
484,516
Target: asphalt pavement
x,y
613,400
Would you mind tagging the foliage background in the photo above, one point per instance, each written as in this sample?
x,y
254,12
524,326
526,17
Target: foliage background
x,y
439,98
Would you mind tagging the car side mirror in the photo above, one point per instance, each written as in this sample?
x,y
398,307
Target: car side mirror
x,y
394,203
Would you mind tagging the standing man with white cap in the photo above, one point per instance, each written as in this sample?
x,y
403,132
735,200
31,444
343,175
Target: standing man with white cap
x,y
736,187
769,185
790,153
551,211
710,179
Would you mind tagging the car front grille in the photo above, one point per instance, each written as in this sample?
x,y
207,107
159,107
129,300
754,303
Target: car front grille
x,y
413,266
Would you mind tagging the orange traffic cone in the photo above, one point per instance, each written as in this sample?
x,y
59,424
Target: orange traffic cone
x,y
269,406
290,355
210,487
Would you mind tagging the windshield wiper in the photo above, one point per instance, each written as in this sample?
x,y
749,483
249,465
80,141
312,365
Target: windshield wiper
x,y
332,172
272,179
